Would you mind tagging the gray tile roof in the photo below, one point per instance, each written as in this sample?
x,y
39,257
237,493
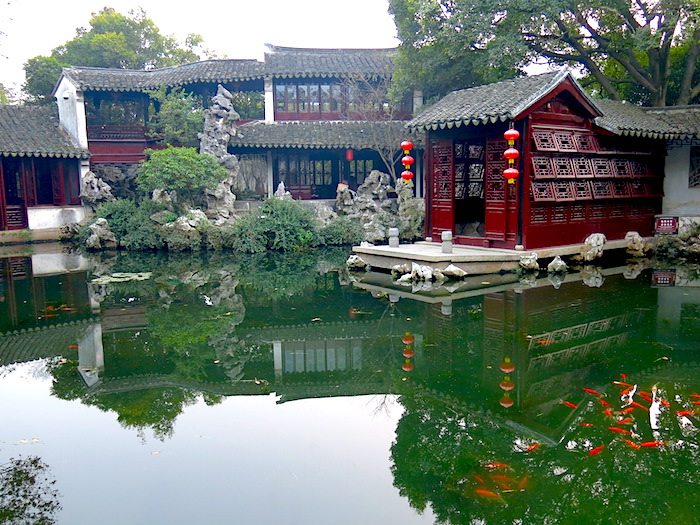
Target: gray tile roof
x,y
35,132
685,118
624,118
489,103
290,62
321,134
219,71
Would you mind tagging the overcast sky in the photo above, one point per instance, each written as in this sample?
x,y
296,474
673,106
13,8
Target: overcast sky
x,y
232,28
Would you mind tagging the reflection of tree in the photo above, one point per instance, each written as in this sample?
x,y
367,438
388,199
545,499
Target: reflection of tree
x,y
441,453
27,493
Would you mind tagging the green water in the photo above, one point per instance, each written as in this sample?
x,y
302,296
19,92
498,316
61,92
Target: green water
x,y
283,389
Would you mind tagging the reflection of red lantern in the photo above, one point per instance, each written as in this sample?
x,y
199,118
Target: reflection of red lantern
x,y
407,161
408,339
507,366
511,153
406,146
407,366
511,136
407,175
349,155
507,384
408,352
506,401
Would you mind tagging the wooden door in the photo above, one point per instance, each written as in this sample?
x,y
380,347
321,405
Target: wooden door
x,y
501,206
442,187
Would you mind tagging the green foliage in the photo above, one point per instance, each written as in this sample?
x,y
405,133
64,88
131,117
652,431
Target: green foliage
x,y
131,224
341,231
178,119
184,170
248,104
27,492
115,41
278,225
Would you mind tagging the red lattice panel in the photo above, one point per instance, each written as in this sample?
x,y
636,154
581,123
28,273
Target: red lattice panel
x,y
538,215
495,189
585,143
638,168
620,189
564,141
542,191
602,190
562,168
564,191
559,214
637,188
544,141
583,190
601,167
621,168
542,167
582,167
578,212
616,211
597,211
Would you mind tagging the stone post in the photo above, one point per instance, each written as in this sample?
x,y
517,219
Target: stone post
x,y
446,241
393,237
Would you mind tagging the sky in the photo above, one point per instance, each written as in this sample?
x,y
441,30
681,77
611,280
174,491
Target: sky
x,y
231,29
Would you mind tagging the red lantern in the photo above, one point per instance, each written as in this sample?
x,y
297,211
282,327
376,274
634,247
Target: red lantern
x,y
511,136
408,339
406,146
407,366
407,175
507,366
408,352
511,154
407,161
507,384
511,174
349,155
506,401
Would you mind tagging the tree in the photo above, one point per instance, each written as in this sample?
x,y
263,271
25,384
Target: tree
x,y
178,119
115,41
647,47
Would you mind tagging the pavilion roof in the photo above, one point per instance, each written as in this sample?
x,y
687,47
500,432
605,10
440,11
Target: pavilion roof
x,y
624,118
27,131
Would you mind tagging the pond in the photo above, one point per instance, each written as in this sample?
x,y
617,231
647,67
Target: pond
x,y
283,389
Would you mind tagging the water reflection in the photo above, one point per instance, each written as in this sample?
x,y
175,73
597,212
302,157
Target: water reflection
x,y
507,384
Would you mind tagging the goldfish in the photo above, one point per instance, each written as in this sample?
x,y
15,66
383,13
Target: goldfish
x,y
569,404
626,410
478,478
626,420
626,390
620,430
608,412
694,395
664,402
591,391
585,424
653,444
544,342
502,484
501,477
696,402
620,383
596,450
630,443
523,482
623,376
645,397
496,465
488,494
603,402
73,346
686,412
634,403
532,447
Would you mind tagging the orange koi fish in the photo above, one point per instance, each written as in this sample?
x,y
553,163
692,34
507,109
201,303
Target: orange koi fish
x,y
665,403
479,479
620,430
626,420
694,395
608,412
645,397
596,450
696,402
533,446
591,391
620,383
626,410
630,443
501,477
488,494
544,342
603,402
626,391
623,376
653,444
569,404
634,403
502,484
523,482
686,412
585,424
73,346
644,392
496,465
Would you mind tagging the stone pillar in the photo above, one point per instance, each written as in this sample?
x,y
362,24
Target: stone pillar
x,y
269,101
394,237
446,241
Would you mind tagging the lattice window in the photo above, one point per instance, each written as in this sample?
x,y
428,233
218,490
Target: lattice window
x,y
616,210
582,190
494,190
602,190
638,168
637,188
621,168
542,191
564,141
585,143
538,215
694,173
562,168
578,212
582,167
563,191
597,211
620,189
542,167
601,168
559,214
544,141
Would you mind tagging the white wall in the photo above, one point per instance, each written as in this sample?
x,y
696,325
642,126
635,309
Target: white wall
x,y
57,263
679,199
41,217
71,111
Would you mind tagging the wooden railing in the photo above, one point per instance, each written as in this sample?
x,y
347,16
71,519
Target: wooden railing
x,y
116,132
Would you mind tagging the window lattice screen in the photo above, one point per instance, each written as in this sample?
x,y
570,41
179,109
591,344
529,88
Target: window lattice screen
x,y
694,175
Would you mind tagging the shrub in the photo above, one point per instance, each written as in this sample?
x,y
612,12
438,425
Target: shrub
x,y
342,231
179,118
131,223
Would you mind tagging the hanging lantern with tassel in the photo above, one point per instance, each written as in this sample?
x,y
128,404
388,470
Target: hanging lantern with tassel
x,y
511,154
